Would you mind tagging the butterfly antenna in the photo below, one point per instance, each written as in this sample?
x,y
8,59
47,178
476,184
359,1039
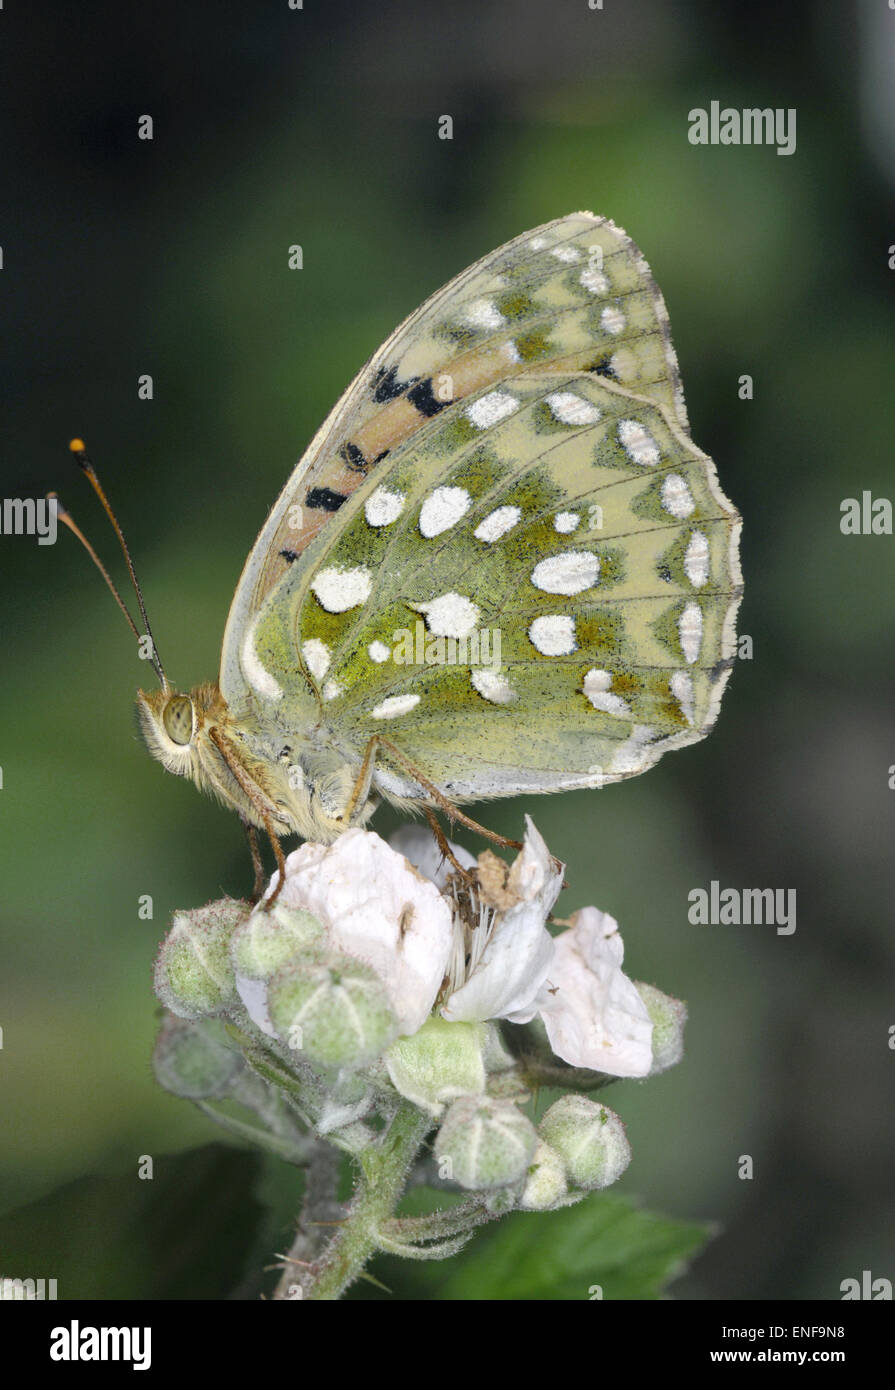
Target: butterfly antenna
x,y
79,451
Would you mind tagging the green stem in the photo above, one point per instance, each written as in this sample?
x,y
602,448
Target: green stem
x,y
384,1169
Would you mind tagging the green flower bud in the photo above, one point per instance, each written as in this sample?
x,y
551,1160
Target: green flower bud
x,y
333,1011
443,1060
546,1183
484,1143
503,1079
589,1138
268,939
195,1060
668,1017
497,1057
346,1100
193,975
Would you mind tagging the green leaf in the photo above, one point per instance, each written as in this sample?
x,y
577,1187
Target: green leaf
x,y
605,1241
188,1232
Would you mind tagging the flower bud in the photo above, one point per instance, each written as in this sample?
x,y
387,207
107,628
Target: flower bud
x,y
589,1138
193,975
496,1055
268,939
344,1101
545,1184
484,1143
195,1060
333,1011
668,1017
443,1060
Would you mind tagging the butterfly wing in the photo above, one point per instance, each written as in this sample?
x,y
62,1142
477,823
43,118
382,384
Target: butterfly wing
x,y
574,294
537,592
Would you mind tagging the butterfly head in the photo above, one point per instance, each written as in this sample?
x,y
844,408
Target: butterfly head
x,y
172,724
193,735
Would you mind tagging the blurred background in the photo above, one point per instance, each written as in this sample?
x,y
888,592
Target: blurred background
x,y
275,126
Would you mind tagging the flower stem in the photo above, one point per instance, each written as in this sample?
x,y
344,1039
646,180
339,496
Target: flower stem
x,y
384,1168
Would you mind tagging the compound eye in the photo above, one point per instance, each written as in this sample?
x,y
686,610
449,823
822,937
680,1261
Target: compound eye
x,y
178,719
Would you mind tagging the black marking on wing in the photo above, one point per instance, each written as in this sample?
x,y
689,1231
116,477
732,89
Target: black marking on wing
x,y
425,400
289,555
325,497
388,387
603,367
665,573
353,458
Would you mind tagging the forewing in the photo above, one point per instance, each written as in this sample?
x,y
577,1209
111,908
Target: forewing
x,y
575,294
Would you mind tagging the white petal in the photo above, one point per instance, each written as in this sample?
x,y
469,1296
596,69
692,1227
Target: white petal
x,y
253,994
514,964
420,847
512,969
534,874
594,1017
375,907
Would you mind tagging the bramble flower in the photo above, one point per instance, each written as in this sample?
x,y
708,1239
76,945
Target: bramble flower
x,y
507,965
388,993
397,909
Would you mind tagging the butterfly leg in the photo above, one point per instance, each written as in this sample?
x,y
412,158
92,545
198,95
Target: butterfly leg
x,y
257,861
444,844
251,792
452,812
361,789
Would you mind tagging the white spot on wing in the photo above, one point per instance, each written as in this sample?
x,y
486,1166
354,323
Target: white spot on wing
x,y
629,757
553,634
570,409
612,319
442,509
566,522
258,678
451,615
395,705
491,408
567,254
378,651
483,313
332,690
677,499
492,686
696,560
316,656
638,443
690,631
594,280
682,690
497,523
596,688
340,589
384,506
570,573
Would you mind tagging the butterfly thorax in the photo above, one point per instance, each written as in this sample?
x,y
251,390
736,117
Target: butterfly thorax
x,y
298,785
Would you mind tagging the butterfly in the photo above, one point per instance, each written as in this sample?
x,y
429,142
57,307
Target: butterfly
x,y
501,567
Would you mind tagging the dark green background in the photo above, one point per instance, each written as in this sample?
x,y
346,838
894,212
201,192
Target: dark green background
x,y
121,257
